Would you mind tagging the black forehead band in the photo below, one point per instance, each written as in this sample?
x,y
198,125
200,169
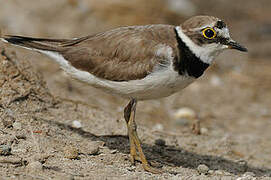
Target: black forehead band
x,y
220,24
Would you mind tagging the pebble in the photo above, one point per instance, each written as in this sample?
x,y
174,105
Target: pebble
x,y
11,160
8,122
242,165
158,127
91,148
182,122
249,174
114,151
18,151
216,81
184,113
219,172
203,130
182,7
76,124
71,152
5,150
203,169
160,142
226,178
17,126
39,157
34,166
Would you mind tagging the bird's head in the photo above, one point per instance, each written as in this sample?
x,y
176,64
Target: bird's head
x,y
207,36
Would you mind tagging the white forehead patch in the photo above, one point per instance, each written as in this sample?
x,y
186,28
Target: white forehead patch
x,y
224,32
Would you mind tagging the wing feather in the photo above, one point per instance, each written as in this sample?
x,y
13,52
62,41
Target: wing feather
x,y
123,54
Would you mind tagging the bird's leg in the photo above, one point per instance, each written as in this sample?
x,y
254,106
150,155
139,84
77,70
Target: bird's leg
x,y
127,116
135,145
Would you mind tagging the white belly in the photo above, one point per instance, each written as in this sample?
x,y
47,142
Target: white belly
x,y
154,86
160,83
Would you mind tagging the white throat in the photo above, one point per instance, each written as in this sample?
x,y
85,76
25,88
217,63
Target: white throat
x,y
205,53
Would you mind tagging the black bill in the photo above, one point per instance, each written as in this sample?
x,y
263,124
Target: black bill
x,y
237,46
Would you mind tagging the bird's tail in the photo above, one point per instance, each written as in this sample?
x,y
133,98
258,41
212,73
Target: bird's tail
x,y
41,44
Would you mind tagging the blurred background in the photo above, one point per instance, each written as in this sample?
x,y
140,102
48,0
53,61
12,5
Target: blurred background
x,y
232,100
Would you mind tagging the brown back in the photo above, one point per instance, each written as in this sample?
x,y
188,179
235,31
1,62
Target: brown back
x,y
122,54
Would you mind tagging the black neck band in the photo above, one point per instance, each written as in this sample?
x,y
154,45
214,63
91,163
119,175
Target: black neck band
x,y
188,62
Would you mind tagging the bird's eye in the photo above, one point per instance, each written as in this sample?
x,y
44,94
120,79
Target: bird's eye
x,y
209,33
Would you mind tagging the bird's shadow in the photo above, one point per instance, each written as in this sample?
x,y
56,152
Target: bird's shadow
x,y
171,155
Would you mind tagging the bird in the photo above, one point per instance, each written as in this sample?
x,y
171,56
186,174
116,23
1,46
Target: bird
x,y
138,62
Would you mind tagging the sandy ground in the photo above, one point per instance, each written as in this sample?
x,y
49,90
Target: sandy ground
x,y
39,103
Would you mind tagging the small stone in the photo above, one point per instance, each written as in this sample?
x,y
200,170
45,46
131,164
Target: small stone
x,y
211,171
242,165
203,130
18,151
158,127
17,126
91,148
249,174
8,122
20,135
5,150
203,169
39,157
182,122
76,124
160,142
219,173
71,152
34,166
11,160
184,113
113,151
216,81
226,178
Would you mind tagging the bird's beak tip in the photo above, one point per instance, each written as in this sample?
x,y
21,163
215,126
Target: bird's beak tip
x,y
235,45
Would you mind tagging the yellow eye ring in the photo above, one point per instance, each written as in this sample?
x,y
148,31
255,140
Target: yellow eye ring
x,y
209,33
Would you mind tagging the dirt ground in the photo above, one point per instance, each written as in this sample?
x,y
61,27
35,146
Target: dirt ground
x,y
53,127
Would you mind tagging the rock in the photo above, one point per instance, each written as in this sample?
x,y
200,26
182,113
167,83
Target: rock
x,y
34,166
160,142
114,151
11,160
91,148
216,81
182,122
203,169
184,113
20,135
182,7
39,157
203,130
76,124
17,126
71,152
219,172
8,121
211,172
227,178
17,150
242,165
158,127
249,174
5,150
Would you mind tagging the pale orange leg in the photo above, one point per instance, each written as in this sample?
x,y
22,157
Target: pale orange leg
x,y
135,146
